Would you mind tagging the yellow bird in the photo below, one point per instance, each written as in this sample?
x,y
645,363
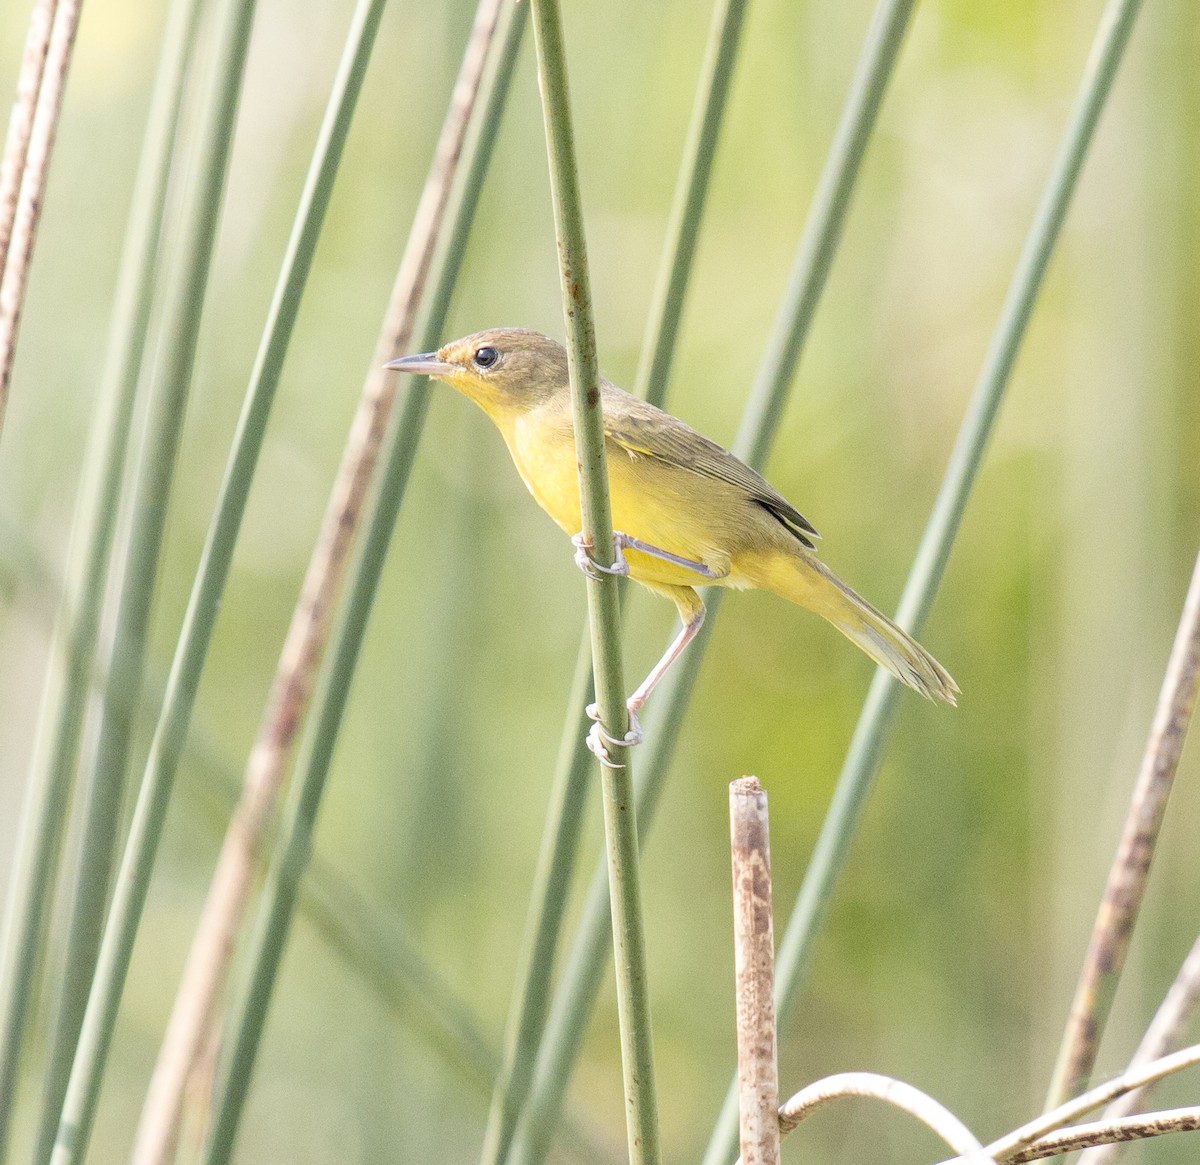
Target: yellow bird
x,y
685,512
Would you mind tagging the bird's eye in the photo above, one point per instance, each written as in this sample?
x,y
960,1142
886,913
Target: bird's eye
x,y
486,357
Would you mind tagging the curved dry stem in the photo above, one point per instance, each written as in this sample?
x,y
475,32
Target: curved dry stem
x,y
212,948
1163,1033
1134,1128
31,187
1130,871
905,1097
1006,1148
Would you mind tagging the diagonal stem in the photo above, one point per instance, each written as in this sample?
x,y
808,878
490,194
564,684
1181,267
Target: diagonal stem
x,y
212,948
273,924
1113,929
27,163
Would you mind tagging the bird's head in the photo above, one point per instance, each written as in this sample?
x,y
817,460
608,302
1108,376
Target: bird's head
x,y
504,370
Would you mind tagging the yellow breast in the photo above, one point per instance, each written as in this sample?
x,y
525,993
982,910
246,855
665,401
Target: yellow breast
x,y
650,500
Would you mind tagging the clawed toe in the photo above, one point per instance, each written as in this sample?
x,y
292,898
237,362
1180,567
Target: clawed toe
x,y
589,566
598,740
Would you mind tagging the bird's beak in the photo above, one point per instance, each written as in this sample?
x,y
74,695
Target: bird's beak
x,y
426,364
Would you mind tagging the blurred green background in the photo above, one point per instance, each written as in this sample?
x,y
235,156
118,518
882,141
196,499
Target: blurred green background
x,y
950,953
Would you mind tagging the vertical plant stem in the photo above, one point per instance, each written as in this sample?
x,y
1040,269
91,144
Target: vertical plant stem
x,y
531,997
16,247
20,120
212,948
754,966
73,648
854,783
620,823
78,1110
273,924
822,232
168,401
1113,929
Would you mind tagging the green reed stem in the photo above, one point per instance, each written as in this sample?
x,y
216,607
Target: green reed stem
x,y
564,819
273,922
854,783
822,232
168,401
73,646
604,605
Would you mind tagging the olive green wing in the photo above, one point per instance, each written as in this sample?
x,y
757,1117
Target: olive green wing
x,y
645,431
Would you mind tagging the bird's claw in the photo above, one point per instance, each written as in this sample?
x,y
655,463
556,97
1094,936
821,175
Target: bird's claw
x,y
589,566
598,740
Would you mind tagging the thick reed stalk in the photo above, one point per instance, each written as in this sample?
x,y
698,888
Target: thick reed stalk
x,y
20,120
822,232
754,972
564,818
604,605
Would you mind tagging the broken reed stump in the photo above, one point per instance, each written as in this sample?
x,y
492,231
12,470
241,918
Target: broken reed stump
x,y
754,962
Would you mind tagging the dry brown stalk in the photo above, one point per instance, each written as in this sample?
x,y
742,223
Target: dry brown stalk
x,y
1163,1034
212,948
26,163
1131,866
1132,1128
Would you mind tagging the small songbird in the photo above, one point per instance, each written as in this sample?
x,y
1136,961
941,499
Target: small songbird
x,y
685,512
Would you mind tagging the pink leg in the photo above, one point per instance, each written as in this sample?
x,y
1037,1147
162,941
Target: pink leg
x,y
669,657
597,737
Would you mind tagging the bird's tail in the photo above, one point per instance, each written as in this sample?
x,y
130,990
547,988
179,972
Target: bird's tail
x,y
805,580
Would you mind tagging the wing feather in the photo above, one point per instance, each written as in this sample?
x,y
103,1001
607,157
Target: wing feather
x,y
645,431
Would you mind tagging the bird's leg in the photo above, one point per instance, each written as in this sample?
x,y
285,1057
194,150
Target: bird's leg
x,y
691,609
590,567
690,627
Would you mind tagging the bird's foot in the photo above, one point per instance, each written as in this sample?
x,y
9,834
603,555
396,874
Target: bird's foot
x,y
589,566
593,569
598,740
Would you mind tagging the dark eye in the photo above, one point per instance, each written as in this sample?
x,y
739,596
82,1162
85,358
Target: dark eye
x,y
486,357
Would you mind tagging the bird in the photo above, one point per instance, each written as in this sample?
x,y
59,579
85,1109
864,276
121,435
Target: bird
x,y
685,511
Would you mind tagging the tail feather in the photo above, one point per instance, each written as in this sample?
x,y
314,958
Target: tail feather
x,y
805,580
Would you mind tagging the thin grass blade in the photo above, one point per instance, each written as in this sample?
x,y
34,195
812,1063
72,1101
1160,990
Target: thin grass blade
x,y
195,1011
854,783
1130,872
150,812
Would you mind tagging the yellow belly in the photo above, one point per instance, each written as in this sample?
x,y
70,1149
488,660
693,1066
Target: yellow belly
x,y
665,507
